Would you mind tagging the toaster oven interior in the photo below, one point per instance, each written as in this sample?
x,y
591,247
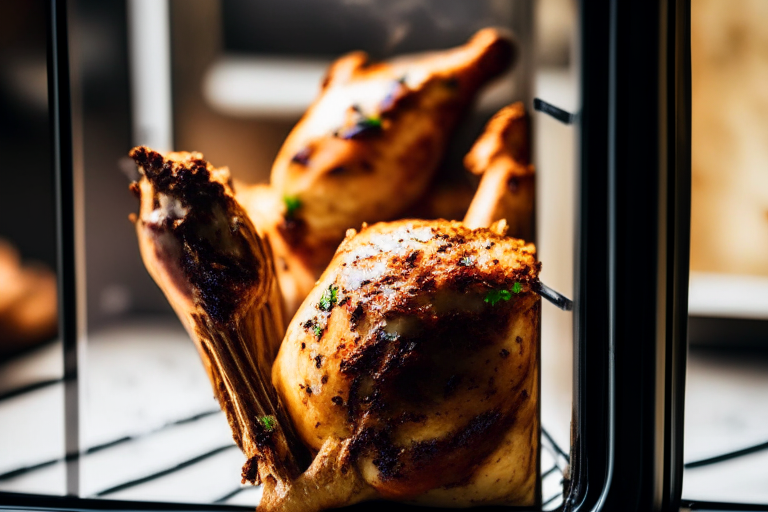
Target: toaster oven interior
x,y
230,78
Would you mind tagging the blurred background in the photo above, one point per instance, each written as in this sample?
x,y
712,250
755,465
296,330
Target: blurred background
x,y
230,78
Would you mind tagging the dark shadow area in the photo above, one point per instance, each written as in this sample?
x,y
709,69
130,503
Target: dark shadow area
x,y
729,333
26,189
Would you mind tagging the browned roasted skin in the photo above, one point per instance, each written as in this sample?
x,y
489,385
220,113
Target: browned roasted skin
x,y
265,209
368,146
411,370
203,251
507,189
400,355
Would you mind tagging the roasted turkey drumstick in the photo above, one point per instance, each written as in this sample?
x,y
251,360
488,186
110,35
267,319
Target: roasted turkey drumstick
x,y
411,370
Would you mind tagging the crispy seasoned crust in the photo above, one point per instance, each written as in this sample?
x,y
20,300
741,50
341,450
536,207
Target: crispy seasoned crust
x,y
420,346
185,175
368,146
192,201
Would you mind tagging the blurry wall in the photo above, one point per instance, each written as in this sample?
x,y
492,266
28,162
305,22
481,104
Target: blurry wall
x,y
729,60
319,31
118,284
26,181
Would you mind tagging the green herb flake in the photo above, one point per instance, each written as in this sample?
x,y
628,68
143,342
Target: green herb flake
x,y
493,297
467,261
370,122
318,331
268,422
329,298
292,203
365,126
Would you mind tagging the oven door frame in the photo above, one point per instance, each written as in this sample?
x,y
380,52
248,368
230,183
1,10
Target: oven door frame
x,y
632,258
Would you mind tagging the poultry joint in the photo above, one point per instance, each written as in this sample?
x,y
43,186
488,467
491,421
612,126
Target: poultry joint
x,y
365,151
411,370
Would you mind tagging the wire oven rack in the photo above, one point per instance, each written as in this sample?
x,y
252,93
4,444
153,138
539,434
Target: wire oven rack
x,y
175,447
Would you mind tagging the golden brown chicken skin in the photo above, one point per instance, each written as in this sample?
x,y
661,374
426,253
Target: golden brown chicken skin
x,y
418,351
409,373
296,278
369,145
501,156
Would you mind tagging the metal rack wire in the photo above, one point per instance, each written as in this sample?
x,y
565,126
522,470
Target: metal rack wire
x,y
552,471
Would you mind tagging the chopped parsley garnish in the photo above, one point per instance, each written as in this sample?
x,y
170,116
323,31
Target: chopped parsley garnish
x,y
467,261
268,422
329,298
493,297
318,331
370,122
292,203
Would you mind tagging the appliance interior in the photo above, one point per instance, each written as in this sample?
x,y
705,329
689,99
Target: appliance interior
x,y
182,74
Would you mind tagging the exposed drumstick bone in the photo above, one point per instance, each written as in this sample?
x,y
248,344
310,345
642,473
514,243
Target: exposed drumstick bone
x,y
201,248
203,251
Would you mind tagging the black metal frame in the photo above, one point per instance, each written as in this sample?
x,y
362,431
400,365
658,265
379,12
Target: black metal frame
x,y
631,265
61,119
632,262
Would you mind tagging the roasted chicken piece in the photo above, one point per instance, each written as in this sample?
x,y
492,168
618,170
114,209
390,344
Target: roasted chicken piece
x,y
409,373
417,353
266,210
507,188
204,253
367,149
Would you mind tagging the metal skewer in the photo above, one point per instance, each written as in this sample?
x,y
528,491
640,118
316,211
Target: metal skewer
x,y
561,115
556,298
